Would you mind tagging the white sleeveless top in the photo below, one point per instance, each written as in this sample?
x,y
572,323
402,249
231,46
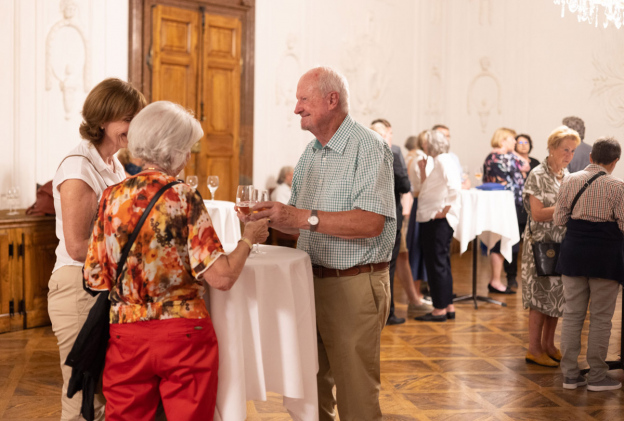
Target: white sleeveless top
x,y
93,171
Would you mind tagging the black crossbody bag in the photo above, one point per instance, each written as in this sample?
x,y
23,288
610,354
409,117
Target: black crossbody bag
x,y
546,254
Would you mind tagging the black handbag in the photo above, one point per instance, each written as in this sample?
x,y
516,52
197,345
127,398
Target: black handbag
x,y
546,254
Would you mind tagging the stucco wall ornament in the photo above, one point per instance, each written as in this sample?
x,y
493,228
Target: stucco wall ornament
x,y
434,96
362,62
484,94
67,78
287,75
609,87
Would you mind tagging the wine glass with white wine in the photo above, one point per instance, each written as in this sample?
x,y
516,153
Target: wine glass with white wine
x,y
213,184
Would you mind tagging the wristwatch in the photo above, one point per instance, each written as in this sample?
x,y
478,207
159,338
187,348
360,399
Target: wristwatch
x,y
313,220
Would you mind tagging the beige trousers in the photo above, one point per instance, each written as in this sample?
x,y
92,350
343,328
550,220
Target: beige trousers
x,y
350,313
68,306
577,291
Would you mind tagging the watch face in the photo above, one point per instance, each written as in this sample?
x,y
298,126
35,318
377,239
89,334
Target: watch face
x,y
313,220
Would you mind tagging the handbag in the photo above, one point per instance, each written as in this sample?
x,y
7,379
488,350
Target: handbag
x,y
88,354
546,253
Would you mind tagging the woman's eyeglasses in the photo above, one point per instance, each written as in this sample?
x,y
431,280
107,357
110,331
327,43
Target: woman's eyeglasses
x,y
523,142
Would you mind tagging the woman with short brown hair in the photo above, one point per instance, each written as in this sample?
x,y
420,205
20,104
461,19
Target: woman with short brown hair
x,y
78,184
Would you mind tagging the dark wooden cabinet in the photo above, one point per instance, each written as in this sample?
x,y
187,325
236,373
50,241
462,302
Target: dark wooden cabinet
x,y
27,245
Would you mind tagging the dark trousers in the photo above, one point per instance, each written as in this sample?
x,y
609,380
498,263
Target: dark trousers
x,y
395,255
435,241
511,269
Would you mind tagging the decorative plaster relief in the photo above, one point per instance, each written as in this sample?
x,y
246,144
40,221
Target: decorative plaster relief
x,y
362,62
434,94
484,94
68,78
609,86
435,12
286,77
485,12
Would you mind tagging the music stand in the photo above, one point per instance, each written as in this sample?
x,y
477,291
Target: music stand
x,y
474,295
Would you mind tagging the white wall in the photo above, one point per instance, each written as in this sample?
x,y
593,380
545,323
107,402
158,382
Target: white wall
x,y
371,41
39,104
417,63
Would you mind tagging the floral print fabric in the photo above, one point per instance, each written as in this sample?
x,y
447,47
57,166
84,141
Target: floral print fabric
x,y
505,169
541,293
176,244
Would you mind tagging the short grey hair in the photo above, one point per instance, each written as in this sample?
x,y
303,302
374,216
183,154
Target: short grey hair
x,y
162,133
575,123
437,143
329,80
283,173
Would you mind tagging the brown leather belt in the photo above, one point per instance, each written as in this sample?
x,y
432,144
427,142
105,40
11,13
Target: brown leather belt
x,y
323,272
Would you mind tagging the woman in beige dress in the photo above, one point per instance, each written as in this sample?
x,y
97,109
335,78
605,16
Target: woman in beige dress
x,y
543,295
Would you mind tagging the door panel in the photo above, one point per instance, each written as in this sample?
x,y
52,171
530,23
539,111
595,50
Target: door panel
x,y
175,55
5,281
221,73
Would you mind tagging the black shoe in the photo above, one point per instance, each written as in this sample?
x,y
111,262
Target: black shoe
x,y
511,282
507,290
394,320
450,315
429,317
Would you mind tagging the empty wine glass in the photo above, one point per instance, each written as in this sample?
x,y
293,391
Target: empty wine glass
x,y
13,198
262,196
192,182
213,184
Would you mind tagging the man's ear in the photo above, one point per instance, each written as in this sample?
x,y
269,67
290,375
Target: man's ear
x,y
333,100
591,160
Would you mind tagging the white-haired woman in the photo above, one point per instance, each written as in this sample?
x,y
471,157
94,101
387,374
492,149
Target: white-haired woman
x,y
162,344
284,180
438,215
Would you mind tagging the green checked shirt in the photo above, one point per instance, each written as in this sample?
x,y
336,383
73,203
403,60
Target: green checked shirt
x,y
354,171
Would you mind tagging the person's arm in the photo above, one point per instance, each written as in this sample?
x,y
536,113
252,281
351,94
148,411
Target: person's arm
x,y
79,207
401,180
356,223
619,207
539,213
562,211
224,272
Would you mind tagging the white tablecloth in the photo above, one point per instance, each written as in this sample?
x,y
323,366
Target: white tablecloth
x,y
224,220
266,329
490,214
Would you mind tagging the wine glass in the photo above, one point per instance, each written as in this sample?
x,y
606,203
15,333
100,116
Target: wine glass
x,y
465,173
213,184
192,182
13,198
478,173
243,198
260,196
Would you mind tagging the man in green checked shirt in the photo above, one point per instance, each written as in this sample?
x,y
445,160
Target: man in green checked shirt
x,y
342,206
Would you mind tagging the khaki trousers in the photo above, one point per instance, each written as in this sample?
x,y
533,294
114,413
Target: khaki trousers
x,y
68,306
577,292
350,313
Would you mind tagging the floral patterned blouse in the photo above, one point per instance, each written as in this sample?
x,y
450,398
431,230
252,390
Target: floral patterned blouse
x,y
176,244
505,169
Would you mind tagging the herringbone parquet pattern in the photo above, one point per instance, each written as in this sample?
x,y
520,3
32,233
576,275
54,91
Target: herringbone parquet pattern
x,y
468,369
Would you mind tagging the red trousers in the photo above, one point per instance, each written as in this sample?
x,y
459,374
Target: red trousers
x,y
175,360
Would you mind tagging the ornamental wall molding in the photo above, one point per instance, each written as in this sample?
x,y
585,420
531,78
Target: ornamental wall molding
x,y
484,94
434,92
287,75
485,12
366,65
609,85
67,79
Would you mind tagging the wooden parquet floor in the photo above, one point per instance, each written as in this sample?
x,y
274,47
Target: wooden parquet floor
x,y
468,369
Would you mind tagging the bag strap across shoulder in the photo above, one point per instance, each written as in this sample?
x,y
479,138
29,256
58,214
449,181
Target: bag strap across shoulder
x,y
587,183
137,229
576,198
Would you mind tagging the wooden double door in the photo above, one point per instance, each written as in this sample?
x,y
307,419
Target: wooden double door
x,y
195,59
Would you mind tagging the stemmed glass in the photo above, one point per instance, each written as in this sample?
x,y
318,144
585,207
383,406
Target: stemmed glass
x,y
191,180
243,198
13,197
213,184
479,173
259,196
